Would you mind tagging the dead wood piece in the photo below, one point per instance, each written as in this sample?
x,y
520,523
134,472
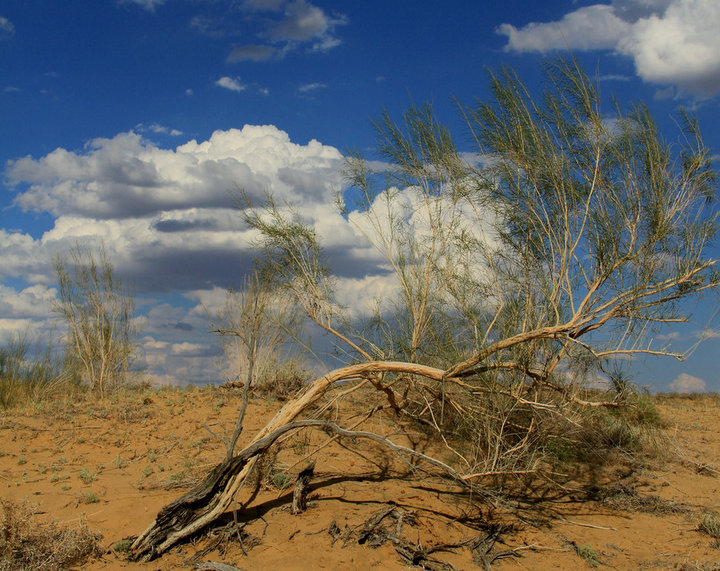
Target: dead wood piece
x,y
173,521
483,547
299,503
416,556
334,531
370,526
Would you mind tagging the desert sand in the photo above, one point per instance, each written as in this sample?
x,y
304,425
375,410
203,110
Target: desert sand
x,y
113,464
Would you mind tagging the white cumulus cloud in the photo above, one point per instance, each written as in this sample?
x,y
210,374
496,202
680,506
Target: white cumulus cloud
x,y
685,383
672,42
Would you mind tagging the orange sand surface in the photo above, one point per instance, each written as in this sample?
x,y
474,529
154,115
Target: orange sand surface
x,y
114,464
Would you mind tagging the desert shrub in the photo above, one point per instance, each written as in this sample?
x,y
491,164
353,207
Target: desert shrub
x,y
98,310
30,545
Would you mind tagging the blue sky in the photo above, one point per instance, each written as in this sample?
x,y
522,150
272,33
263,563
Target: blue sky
x,y
128,121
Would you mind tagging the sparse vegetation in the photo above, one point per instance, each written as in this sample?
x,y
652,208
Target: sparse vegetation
x,y
89,498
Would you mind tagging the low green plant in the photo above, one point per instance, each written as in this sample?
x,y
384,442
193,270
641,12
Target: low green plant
x,y
279,479
89,498
122,546
120,462
587,553
87,476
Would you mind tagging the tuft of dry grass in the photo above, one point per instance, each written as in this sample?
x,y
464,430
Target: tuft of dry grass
x,y
30,545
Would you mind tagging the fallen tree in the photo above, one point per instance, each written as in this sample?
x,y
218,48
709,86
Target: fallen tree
x,y
518,280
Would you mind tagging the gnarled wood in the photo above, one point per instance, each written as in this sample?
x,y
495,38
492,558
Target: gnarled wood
x,y
212,497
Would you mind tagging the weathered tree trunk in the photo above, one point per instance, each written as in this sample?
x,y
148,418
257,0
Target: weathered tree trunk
x,y
299,503
214,495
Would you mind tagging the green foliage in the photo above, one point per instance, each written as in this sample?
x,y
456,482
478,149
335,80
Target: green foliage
x,y
87,476
122,546
89,498
279,479
587,553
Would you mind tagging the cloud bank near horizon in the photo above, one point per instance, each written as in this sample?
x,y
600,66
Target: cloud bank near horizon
x,y
171,226
170,223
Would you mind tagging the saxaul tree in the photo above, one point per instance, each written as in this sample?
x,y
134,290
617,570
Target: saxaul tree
x,y
568,239
98,310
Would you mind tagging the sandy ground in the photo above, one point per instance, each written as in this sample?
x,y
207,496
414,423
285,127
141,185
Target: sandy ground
x,y
114,464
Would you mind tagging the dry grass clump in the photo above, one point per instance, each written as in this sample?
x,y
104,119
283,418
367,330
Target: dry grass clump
x,y
27,544
281,382
30,377
710,525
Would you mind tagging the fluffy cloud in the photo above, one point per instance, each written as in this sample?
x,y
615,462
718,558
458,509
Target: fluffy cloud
x,y
167,217
27,313
592,27
672,42
159,129
127,176
33,301
302,22
685,383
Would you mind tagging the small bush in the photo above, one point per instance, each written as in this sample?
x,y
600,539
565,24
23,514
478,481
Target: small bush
x,y
122,546
29,545
87,476
89,498
281,480
587,553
